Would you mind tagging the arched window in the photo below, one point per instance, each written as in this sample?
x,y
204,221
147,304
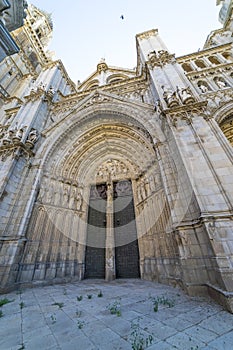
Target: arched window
x,y
200,64
94,84
227,56
213,60
186,67
116,78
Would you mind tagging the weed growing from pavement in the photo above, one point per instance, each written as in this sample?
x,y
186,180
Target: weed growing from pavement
x,y
53,318
89,296
80,297
115,308
5,301
21,305
60,305
138,340
100,294
78,313
162,301
80,324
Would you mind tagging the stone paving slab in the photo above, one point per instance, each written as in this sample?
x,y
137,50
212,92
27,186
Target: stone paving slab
x,y
53,318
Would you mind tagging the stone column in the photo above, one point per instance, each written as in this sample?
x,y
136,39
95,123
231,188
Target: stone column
x,y
110,273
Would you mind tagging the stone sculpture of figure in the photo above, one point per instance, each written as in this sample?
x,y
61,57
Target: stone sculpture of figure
x,y
185,94
139,193
8,137
152,184
33,136
73,199
204,88
170,97
221,83
66,194
41,86
19,134
79,201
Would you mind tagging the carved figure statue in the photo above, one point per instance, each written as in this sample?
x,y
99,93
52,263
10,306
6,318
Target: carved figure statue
x,y
221,83
170,97
19,134
33,136
8,137
185,94
204,88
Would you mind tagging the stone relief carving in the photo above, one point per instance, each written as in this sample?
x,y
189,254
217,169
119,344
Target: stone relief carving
x,y
220,82
160,58
148,184
58,193
112,167
170,97
203,86
185,95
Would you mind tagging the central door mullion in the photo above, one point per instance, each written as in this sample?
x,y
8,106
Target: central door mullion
x,y
110,271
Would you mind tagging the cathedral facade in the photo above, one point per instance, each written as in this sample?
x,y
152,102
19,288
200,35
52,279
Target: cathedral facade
x,y
129,174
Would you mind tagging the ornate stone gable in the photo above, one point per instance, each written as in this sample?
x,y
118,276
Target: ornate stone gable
x,y
96,100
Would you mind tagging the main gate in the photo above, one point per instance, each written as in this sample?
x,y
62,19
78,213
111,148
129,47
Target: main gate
x,y
96,233
126,243
125,234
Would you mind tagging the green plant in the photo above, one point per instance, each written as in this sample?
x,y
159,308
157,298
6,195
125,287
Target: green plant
x,y
115,308
21,305
80,324
100,294
89,296
137,339
53,318
78,313
79,298
162,301
1,313
5,301
60,305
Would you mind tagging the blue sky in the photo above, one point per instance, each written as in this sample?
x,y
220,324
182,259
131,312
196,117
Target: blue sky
x,y
87,30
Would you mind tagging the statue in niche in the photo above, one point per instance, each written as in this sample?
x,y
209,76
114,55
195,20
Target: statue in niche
x,y
139,194
57,194
72,198
42,194
221,83
50,192
66,194
8,137
143,192
152,183
185,94
203,87
75,199
78,200
33,136
170,97
147,187
19,134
